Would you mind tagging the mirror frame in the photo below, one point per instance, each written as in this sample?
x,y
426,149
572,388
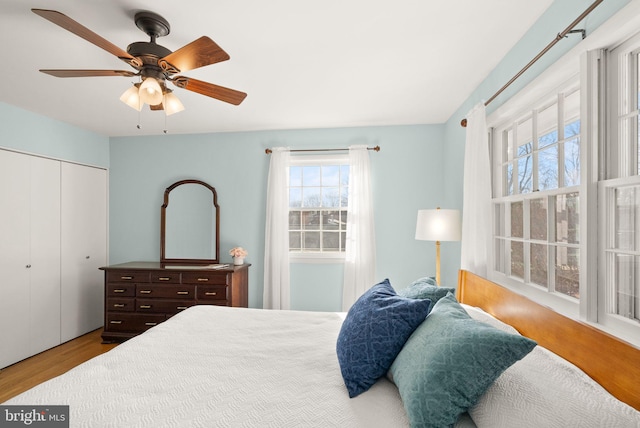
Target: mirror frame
x,y
163,219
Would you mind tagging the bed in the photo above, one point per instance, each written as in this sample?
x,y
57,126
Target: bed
x,y
215,366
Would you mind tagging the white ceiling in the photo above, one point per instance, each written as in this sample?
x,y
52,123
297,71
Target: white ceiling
x,y
303,64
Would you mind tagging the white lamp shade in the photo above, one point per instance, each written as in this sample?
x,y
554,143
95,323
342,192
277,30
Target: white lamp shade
x,y
438,225
131,98
171,104
150,91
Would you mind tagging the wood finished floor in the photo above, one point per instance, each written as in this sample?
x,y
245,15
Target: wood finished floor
x,y
28,373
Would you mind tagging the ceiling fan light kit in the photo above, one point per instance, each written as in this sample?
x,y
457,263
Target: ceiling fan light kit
x,y
154,63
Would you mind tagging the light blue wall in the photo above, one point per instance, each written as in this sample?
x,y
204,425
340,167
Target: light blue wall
x,y
559,15
32,133
407,176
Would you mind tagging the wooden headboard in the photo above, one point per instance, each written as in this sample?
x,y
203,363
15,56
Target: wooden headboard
x,y
613,363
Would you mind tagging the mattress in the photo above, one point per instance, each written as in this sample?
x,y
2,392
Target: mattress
x,y
213,366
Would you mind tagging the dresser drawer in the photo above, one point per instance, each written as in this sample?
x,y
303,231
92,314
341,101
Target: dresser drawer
x,y
121,304
169,277
204,278
162,305
132,322
127,276
167,291
121,290
212,292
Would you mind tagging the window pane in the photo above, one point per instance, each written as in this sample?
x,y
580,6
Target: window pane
x,y
572,129
311,176
344,175
311,220
538,219
295,176
312,241
509,144
548,168
525,174
331,175
294,241
330,197
525,137
568,218
517,259
311,197
344,196
517,220
500,246
567,271
499,219
509,177
331,241
626,288
330,220
295,197
539,264
548,126
626,215
572,162
343,241
294,220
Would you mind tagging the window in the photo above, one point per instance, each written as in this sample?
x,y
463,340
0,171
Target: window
x,y
318,197
566,189
619,190
536,160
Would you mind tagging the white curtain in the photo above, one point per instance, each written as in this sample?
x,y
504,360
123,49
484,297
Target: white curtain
x,y
360,261
476,214
276,243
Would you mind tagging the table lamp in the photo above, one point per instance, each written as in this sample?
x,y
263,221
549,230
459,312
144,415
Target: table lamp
x,y
438,225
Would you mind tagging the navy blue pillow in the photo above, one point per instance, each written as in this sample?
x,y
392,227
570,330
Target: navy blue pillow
x,y
373,333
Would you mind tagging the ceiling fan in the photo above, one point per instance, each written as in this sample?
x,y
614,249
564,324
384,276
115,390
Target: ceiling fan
x,y
154,63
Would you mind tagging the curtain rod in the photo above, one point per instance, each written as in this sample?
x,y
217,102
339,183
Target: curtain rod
x,y
559,37
376,149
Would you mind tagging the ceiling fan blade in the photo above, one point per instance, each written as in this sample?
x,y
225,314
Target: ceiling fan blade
x,y
221,93
198,53
88,73
69,24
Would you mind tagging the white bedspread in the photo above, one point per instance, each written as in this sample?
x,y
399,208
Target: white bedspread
x,y
235,368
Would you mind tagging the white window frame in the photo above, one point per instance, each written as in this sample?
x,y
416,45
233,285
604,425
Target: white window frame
x,y
596,158
315,257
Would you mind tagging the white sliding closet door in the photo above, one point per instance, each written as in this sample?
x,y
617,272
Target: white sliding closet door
x,y
29,255
84,248
45,254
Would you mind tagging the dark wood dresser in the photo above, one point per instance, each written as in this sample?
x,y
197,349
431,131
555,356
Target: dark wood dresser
x,y
139,295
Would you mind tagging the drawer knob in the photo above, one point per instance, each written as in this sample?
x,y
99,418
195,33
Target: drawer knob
x,y
126,278
203,279
115,322
118,305
151,323
119,290
145,306
145,291
164,278
182,293
210,293
181,308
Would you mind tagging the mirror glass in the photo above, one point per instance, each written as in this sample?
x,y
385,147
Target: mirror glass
x,y
189,217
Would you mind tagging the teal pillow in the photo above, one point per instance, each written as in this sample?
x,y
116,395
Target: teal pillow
x,y
448,363
372,334
425,288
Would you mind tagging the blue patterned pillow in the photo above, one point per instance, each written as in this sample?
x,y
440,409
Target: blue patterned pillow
x,y
425,288
374,331
449,362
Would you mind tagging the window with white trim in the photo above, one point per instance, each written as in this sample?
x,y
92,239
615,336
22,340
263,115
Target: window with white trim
x,y
566,190
536,172
318,198
619,191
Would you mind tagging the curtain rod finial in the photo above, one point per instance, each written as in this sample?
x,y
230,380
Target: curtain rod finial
x,y
463,123
268,151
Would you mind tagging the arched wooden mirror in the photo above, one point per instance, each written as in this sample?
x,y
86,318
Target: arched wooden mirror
x,y
190,224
